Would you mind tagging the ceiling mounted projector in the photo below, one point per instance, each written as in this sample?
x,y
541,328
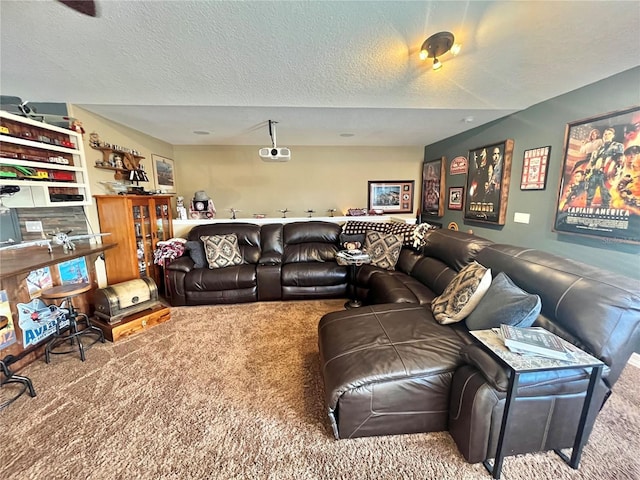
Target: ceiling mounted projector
x,y
275,153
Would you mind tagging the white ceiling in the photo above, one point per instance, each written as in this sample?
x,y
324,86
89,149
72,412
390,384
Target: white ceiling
x,y
319,68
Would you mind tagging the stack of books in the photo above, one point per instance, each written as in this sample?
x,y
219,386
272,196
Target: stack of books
x,y
534,341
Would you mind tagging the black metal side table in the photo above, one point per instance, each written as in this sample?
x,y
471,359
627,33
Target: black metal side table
x,y
353,259
518,364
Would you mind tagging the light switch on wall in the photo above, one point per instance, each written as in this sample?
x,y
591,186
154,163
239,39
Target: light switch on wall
x,y
35,226
521,217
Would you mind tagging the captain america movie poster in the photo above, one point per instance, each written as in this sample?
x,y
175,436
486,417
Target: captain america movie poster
x,y
599,192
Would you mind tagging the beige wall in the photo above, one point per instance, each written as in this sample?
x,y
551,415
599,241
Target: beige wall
x,y
115,134
317,178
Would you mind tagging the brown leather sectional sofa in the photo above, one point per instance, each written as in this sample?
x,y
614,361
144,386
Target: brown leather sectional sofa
x,y
390,368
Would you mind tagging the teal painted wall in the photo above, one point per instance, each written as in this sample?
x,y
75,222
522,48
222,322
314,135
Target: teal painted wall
x,y
538,126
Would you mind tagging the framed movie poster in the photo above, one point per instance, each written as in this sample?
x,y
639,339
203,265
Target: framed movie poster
x,y
456,195
534,168
488,183
391,196
599,192
433,178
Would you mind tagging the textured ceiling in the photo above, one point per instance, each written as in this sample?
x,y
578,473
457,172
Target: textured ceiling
x,y
319,68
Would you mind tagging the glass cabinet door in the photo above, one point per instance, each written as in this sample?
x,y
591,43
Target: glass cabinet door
x,y
162,220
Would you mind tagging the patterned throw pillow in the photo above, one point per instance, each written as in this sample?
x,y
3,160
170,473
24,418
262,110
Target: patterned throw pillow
x,y
404,229
222,250
384,249
462,295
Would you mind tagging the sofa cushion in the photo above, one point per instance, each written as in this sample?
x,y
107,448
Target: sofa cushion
x,y
195,248
506,303
222,250
384,249
463,294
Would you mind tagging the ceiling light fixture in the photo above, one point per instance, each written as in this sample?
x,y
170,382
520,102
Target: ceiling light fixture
x,y
437,45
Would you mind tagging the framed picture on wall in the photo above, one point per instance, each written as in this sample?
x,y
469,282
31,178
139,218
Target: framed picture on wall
x,y
165,175
433,179
488,181
599,192
391,196
534,168
456,195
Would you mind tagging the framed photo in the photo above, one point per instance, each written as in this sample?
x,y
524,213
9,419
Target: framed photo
x,y
488,181
456,195
433,178
599,191
164,170
534,168
391,196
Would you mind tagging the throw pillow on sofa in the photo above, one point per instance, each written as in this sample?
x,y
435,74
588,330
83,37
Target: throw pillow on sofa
x,y
384,249
462,294
222,250
504,302
196,252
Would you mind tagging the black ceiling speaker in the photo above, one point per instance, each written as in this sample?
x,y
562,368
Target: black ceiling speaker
x,y
87,7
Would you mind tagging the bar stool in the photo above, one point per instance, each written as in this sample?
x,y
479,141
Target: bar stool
x,y
72,334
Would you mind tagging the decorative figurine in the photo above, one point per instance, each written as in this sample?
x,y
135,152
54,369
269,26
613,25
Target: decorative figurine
x,y
76,126
310,212
331,210
94,139
182,211
233,213
284,212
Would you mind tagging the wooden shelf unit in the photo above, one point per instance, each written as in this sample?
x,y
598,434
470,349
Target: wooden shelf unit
x,y
54,154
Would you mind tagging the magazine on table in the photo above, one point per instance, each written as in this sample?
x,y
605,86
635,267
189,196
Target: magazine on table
x,y
353,255
534,340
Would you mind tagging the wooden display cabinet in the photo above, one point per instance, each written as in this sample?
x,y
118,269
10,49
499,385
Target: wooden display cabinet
x,y
137,223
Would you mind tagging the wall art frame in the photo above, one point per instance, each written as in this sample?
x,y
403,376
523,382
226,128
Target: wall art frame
x,y
391,196
433,188
599,189
535,164
488,181
165,173
456,198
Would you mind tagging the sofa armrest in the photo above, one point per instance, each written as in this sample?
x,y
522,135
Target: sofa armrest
x,y
495,374
176,272
181,264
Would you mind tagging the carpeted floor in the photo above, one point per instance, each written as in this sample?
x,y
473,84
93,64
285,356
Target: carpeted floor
x,y
234,392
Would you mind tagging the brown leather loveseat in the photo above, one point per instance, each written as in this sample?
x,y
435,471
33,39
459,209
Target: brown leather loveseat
x,y
291,261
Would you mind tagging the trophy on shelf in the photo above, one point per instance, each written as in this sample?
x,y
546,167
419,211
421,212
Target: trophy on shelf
x,y
284,211
331,211
310,212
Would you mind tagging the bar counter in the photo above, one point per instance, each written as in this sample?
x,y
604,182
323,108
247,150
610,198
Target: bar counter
x,y
15,266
